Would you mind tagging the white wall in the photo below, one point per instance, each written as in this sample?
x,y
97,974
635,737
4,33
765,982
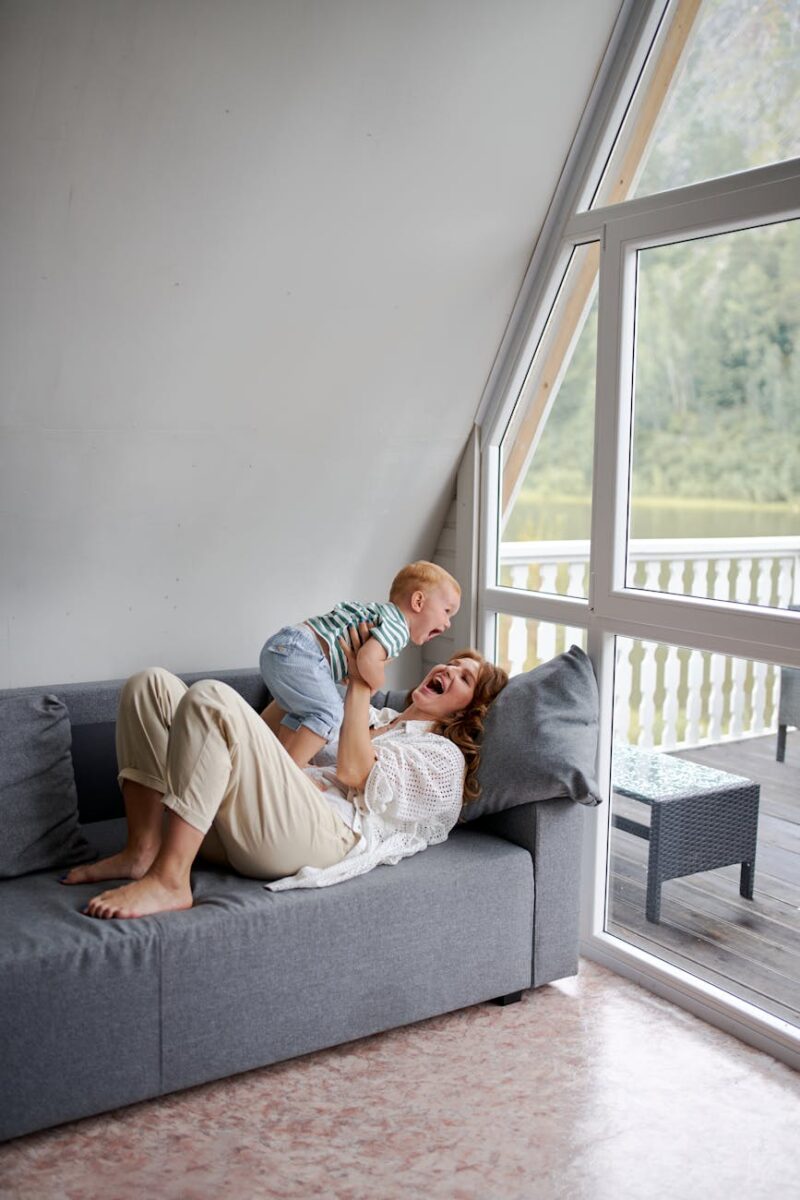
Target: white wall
x,y
257,258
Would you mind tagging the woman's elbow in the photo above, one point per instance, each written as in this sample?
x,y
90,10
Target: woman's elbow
x,y
352,776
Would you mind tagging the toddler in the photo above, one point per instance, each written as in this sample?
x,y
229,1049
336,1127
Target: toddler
x,y
301,664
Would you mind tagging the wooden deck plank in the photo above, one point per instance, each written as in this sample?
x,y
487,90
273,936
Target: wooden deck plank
x,y
762,930
703,970
720,889
768,985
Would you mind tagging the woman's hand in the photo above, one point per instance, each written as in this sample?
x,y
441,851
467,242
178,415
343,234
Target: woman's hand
x,y
351,643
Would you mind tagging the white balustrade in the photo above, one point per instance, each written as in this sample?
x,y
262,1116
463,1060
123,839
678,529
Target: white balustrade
x,y
765,571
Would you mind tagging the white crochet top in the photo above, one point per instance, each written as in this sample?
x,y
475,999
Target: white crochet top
x,y
412,799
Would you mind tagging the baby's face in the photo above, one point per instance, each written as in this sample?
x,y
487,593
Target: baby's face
x,y
439,604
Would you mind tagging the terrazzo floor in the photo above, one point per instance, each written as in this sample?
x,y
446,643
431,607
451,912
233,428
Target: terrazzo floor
x,y
589,1089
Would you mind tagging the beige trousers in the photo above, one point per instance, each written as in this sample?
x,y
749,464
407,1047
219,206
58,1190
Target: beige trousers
x,y
220,768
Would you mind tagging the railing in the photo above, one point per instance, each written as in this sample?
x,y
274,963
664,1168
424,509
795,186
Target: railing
x,y
665,696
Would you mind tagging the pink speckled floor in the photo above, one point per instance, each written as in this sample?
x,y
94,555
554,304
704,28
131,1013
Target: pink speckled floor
x,y
590,1089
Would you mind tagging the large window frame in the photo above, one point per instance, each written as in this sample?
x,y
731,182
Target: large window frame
x,y
745,200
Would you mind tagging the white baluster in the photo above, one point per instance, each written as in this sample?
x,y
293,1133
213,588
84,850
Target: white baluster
x,y
652,575
694,697
647,710
519,576
547,582
575,584
716,696
758,720
764,583
743,568
517,645
675,582
785,572
738,673
623,680
545,641
721,581
771,703
699,584
672,677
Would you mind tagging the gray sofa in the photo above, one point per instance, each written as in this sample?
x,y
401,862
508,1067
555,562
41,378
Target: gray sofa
x,y
99,1014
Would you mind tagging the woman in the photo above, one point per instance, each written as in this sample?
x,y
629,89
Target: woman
x,y
234,794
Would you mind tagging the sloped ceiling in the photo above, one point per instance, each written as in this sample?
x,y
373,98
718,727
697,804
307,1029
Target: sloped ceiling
x,y
258,258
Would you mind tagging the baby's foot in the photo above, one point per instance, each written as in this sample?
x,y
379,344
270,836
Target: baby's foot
x,y
140,899
130,863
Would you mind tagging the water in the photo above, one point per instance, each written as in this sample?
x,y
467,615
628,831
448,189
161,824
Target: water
x,y
544,519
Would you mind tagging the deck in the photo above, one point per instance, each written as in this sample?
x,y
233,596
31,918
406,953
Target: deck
x,y
749,947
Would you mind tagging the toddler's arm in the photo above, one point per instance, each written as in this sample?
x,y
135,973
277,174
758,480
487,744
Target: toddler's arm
x,y
371,661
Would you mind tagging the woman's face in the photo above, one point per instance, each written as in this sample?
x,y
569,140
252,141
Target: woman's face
x,y
447,689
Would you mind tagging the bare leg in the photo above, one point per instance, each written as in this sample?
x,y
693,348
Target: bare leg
x,y
165,887
273,714
303,744
145,813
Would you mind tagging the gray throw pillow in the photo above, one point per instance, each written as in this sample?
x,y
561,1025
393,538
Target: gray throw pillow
x,y
540,738
38,802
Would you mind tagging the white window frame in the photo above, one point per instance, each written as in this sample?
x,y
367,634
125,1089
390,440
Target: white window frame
x,y
745,200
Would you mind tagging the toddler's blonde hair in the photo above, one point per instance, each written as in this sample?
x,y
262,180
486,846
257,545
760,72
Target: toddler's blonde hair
x,y
420,577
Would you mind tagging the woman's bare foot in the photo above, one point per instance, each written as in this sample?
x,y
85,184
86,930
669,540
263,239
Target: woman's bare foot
x,y
130,863
140,899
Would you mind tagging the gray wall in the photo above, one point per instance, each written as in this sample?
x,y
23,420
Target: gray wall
x,y
257,258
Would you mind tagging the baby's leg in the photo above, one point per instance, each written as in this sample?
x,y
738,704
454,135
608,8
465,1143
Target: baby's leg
x,y
302,744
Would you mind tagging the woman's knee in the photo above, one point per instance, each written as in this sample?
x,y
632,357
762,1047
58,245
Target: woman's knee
x,y
207,695
206,691
146,680
154,686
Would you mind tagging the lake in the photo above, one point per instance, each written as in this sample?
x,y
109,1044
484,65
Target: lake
x,y
544,518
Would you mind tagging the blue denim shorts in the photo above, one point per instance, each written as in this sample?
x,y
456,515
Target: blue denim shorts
x,y
299,679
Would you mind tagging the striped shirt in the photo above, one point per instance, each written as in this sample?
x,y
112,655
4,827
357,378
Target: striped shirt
x,y
390,629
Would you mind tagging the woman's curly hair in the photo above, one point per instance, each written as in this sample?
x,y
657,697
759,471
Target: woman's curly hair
x,y
465,728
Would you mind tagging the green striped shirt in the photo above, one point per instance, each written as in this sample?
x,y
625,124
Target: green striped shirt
x,y
390,629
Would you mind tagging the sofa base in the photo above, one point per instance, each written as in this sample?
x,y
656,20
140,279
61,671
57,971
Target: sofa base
x,y
100,1014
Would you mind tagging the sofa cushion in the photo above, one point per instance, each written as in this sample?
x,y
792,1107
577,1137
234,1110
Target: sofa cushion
x,y
38,801
540,738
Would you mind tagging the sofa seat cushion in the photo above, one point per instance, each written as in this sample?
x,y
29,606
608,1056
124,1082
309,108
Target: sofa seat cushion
x,y
251,976
247,977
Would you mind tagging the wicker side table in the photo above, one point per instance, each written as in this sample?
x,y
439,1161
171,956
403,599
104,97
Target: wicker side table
x,y
700,818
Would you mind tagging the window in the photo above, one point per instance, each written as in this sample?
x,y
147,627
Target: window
x,y
681,572
715,478
546,488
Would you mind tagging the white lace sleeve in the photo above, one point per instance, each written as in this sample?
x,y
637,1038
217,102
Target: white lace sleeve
x,y
420,781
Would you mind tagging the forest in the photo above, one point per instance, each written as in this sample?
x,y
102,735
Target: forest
x,y
717,383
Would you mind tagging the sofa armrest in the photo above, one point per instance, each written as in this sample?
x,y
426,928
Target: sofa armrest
x,y
552,832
